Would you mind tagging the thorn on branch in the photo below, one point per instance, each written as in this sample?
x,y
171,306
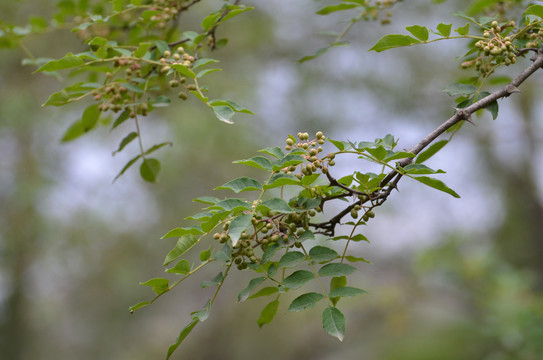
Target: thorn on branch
x,y
464,115
511,89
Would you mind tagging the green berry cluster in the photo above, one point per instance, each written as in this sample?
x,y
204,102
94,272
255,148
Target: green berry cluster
x,y
267,229
166,10
115,95
178,57
368,213
311,150
495,49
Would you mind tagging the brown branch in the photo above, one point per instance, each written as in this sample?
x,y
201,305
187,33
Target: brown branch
x,y
390,182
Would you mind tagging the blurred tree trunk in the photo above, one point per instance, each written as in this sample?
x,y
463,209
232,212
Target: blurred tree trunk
x,y
520,236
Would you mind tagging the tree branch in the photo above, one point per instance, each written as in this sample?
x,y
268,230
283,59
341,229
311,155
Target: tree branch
x,y
390,182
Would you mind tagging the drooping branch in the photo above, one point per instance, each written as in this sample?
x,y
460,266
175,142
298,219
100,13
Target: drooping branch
x,y
390,182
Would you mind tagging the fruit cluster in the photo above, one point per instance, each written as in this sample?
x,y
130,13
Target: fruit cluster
x,y
312,149
494,50
268,229
166,10
178,57
119,93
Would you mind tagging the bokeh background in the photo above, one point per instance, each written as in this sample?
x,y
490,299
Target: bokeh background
x,y
450,278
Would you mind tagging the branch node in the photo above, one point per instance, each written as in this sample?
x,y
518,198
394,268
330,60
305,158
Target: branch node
x,y
511,89
464,115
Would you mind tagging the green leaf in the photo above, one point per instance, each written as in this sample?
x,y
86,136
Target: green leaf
x,y
281,179
341,145
182,267
203,313
216,281
259,162
234,106
74,131
444,29
162,46
149,169
356,259
156,147
297,279
184,71
270,252
458,89
463,30
273,151
159,285
68,61
90,117
225,254
335,283
122,118
58,99
420,32
336,269
205,255
205,72
493,109
391,155
210,20
322,51
346,291
241,184
183,245
244,294
127,139
436,184
421,169
182,335
333,322
359,237
235,10
269,290
431,151
276,204
202,62
306,235
207,200
126,166
339,7
393,41
138,306
224,113
231,205
536,10
322,253
310,179
268,313
305,301
289,160
237,226
178,232
291,259
211,223
379,152
142,49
